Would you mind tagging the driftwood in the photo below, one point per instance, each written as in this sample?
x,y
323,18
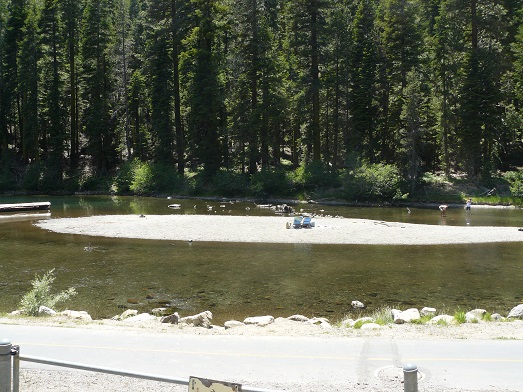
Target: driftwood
x,y
15,207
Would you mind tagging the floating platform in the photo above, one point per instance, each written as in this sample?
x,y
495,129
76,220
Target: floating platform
x,y
16,207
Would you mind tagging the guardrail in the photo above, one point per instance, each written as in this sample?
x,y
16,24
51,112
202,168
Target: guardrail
x,y
10,370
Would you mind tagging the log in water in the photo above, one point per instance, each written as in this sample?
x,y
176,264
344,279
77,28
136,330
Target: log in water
x,y
37,206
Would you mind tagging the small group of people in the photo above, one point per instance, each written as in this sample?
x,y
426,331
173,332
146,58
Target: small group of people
x,y
443,207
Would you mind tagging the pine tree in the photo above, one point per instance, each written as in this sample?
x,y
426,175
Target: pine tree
x,y
10,116
205,95
97,68
3,95
52,66
362,139
29,55
71,18
401,49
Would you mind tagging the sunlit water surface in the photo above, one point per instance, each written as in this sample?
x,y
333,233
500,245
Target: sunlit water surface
x,y
236,280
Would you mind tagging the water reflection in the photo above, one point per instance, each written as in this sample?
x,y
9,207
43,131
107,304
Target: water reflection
x,y
239,280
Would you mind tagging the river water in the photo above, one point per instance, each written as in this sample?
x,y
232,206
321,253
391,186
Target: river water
x,y
237,280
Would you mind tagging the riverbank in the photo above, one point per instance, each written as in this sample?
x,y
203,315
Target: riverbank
x,y
281,326
264,229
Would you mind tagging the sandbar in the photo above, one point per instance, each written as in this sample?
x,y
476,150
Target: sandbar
x,y
269,229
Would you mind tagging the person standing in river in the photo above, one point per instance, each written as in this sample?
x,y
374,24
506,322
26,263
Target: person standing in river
x,y
469,203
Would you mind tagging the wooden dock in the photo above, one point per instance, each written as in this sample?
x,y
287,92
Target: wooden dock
x,y
16,207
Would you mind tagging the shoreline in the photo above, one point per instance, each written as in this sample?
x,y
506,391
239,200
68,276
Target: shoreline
x,y
281,326
265,229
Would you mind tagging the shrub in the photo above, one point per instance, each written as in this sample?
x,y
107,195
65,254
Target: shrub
x,y
124,178
143,178
268,183
516,183
32,177
460,317
383,316
40,294
229,183
373,182
314,176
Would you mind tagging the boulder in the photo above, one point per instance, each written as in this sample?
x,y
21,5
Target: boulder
x,y
171,319
347,323
497,317
233,324
159,311
395,313
298,317
16,313
259,320
428,311
407,316
321,321
45,311
128,313
139,318
203,319
443,318
475,315
77,315
516,312
357,305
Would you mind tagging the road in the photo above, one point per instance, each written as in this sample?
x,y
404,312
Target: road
x,y
265,361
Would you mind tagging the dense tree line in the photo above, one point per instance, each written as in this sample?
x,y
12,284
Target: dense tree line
x,y
250,86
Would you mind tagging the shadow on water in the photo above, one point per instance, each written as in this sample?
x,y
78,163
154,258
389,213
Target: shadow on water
x,y
239,280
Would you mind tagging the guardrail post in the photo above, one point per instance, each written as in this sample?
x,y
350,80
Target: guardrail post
x,y
5,365
410,378
15,352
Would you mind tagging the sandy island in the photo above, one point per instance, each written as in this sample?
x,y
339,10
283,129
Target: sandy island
x,y
220,228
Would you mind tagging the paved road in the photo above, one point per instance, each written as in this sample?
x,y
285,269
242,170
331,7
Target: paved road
x,y
261,361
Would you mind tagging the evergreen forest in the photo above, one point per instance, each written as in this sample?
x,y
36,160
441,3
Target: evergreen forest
x,y
357,99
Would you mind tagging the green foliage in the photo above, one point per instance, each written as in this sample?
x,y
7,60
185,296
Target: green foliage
x,y
516,183
373,182
230,184
270,183
143,178
358,324
32,178
40,294
124,178
314,176
460,317
383,316
7,180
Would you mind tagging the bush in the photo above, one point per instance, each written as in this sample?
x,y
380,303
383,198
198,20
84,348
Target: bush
x,y
7,181
124,178
460,317
315,176
270,183
32,177
516,183
373,182
149,178
40,295
229,183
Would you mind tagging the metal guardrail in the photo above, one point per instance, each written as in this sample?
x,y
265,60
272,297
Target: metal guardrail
x,y
10,370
